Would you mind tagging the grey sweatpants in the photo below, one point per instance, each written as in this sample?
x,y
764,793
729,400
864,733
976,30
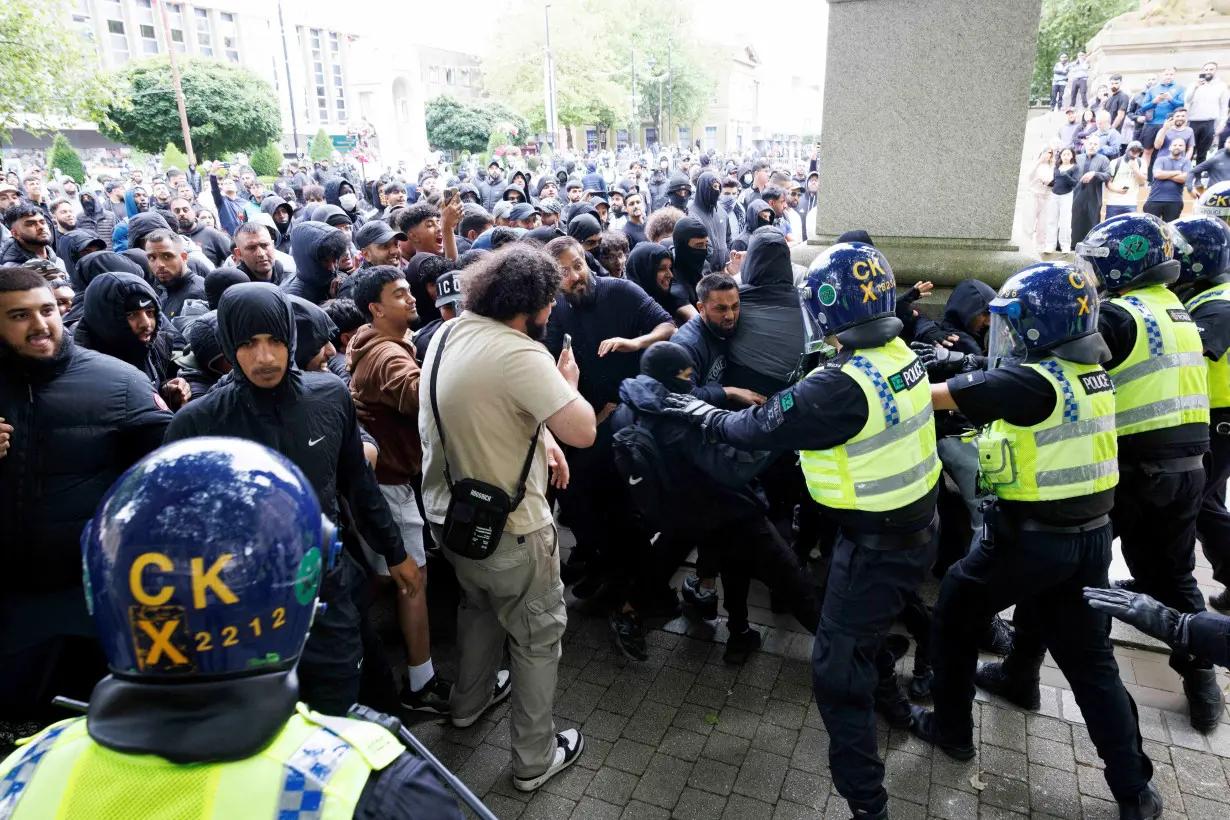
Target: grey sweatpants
x,y
517,593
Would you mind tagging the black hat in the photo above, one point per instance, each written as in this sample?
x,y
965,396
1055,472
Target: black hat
x,y
376,232
448,289
520,211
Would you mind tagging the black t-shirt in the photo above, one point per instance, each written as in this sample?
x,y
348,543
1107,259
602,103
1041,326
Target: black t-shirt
x,y
634,232
1024,397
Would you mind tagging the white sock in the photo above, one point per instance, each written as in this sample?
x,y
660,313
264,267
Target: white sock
x,y
421,675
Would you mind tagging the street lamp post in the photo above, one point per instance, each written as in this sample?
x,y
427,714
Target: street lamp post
x,y
670,93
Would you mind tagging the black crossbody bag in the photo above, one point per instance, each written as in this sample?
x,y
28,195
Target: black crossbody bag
x,y
477,511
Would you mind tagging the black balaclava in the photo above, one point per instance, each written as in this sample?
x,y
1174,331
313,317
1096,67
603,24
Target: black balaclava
x,y
678,180
663,362
689,262
708,191
248,310
313,327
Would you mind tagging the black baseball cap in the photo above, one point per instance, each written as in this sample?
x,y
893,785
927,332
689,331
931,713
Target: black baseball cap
x,y
520,211
376,232
448,289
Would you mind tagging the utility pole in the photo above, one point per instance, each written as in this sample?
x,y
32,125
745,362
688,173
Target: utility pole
x,y
179,91
632,125
670,94
549,82
290,89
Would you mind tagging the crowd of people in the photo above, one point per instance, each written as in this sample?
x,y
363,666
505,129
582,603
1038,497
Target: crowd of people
x,y
455,362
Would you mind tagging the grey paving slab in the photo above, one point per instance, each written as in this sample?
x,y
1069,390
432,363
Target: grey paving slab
x,y
695,804
761,775
713,776
663,781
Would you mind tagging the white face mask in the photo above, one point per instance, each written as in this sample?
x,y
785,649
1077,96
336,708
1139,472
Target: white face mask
x,y
348,201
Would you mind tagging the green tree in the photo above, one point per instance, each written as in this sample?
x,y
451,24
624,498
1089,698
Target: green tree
x,y
172,157
454,125
65,158
229,108
322,147
267,160
1067,27
47,68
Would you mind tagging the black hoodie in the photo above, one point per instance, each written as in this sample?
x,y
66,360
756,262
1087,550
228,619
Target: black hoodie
x,y
175,292
581,227
72,245
104,326
203,343
679,180
214,244
313,328
765,352
754,221
88,268
311,279
333,196
642,268
969,299
691,264
704,208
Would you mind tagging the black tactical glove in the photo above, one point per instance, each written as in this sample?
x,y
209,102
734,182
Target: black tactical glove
x,y
937,359
691,409
1146,614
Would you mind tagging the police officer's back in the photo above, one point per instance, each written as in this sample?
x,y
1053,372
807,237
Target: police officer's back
x,y
202,568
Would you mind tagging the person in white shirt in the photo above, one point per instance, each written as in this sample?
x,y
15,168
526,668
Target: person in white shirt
x,y
1040,186
1127,174
1206,105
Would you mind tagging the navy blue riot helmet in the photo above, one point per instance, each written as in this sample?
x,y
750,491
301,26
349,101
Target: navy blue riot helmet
x,y
1047,308
1215,201
1202,249
205,558
1129,251
850,285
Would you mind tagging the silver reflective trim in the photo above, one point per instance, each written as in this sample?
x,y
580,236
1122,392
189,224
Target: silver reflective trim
x,y
896,482
1156,364
895,433
1075,429
1077,475
1161,408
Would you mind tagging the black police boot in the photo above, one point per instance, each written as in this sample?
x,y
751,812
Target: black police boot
x,y
1146,806
919,687
891,703
1204,699
998,638
882,814
1220,601
923,727
993,678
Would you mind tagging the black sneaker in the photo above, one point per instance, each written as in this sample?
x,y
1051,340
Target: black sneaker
x,y
998,638
991,677
919,687
629,636
1204,699
503,688
1146,806
431,698
923,727
891,703
740,646
703,601
1220,601
568,747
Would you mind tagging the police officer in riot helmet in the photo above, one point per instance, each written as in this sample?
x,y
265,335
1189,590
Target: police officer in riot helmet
x,y
1047,454
202,570
1162,419
863,425
1202,248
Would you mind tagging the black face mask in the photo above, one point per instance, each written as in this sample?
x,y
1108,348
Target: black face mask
x,y
679,201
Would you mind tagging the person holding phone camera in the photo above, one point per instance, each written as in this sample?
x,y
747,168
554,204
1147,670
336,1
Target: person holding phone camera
x,y
1206,103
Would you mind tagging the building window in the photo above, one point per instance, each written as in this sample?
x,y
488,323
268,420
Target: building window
x,y
433,75
118,40
684,136
175,16
204,39
149,40
318,77
450,77
710,137
230,36
339,84
465,78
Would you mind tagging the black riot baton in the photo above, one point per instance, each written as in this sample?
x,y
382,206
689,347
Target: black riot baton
x,y
393,725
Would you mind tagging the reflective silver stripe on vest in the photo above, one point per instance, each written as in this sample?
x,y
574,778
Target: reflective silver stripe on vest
x,y
886,437
1161,408
1077,475
1156,364
14,783
306,774
896,482
1075,429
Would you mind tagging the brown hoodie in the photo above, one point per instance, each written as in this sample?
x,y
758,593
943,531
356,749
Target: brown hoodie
x,y
384,383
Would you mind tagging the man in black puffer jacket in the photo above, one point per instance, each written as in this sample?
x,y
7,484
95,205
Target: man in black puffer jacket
x,y
207,364
73,421
317,249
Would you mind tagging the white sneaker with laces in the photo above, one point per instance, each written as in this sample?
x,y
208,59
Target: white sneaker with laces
x,y
503,688
569,745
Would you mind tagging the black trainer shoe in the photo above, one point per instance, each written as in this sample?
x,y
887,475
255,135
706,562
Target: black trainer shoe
x,y
1146,806
629,636
1220,601
1204,699
998,638
568,747
892,705
740,646
431,698
703,601
923,727
919,687
991,677
503,688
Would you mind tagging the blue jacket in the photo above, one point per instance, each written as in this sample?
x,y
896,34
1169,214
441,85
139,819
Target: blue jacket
x,y
708,352
1162,110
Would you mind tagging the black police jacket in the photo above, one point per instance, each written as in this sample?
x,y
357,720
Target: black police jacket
x,y
78,421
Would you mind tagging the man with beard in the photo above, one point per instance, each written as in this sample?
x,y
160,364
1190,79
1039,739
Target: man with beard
x,y
168,259
9,196
705,209
64,216
255,255
547,188
706,338
610,321
378,244
1174,128
1170,173
1093,172
310,419
281,212
214,244
492,189
31,236
71,421
634,226
550,210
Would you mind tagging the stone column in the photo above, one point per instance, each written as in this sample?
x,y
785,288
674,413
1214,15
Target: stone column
x,y
925,104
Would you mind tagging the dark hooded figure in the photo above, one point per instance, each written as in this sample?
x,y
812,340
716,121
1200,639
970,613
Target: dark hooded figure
x,y
691,264
765,353
706,210
104,327
520,181
514,192
88,269
314,329
206,350
657,188
644,267
282,213
312,245
966,316
678,190
585,227
544,234
341,193
467,191
759,215
216,281
96,217
74,246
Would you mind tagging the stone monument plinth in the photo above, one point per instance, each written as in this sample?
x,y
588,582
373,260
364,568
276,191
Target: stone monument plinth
x,y
1185,34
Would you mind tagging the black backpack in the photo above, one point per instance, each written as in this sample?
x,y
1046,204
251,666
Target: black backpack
x,y
641,465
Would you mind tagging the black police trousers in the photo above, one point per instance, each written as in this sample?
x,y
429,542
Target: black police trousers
x,y
1155,519
1213,521
867,589
1042,573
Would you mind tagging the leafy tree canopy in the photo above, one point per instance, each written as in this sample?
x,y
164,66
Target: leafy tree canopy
x,y
172,157
229,107
65,159
457,125
267,160
1067,27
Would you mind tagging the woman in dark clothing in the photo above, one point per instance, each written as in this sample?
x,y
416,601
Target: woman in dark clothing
x,y
649,265
1059,213
691,249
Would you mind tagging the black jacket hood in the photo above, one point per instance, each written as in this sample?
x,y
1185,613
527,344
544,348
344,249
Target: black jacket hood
x,y
583,227
89,267
202,337
969,299
706,197
313,328
767,265
251,309
642,268
72,244
333,191
144,224
271,204
104,326
305,238
689,262
467,189
678,179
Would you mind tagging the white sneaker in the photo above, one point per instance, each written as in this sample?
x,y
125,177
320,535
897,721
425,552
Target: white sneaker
x,y
570,744
503,688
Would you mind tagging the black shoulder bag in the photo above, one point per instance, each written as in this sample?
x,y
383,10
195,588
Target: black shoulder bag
x,y
477,511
